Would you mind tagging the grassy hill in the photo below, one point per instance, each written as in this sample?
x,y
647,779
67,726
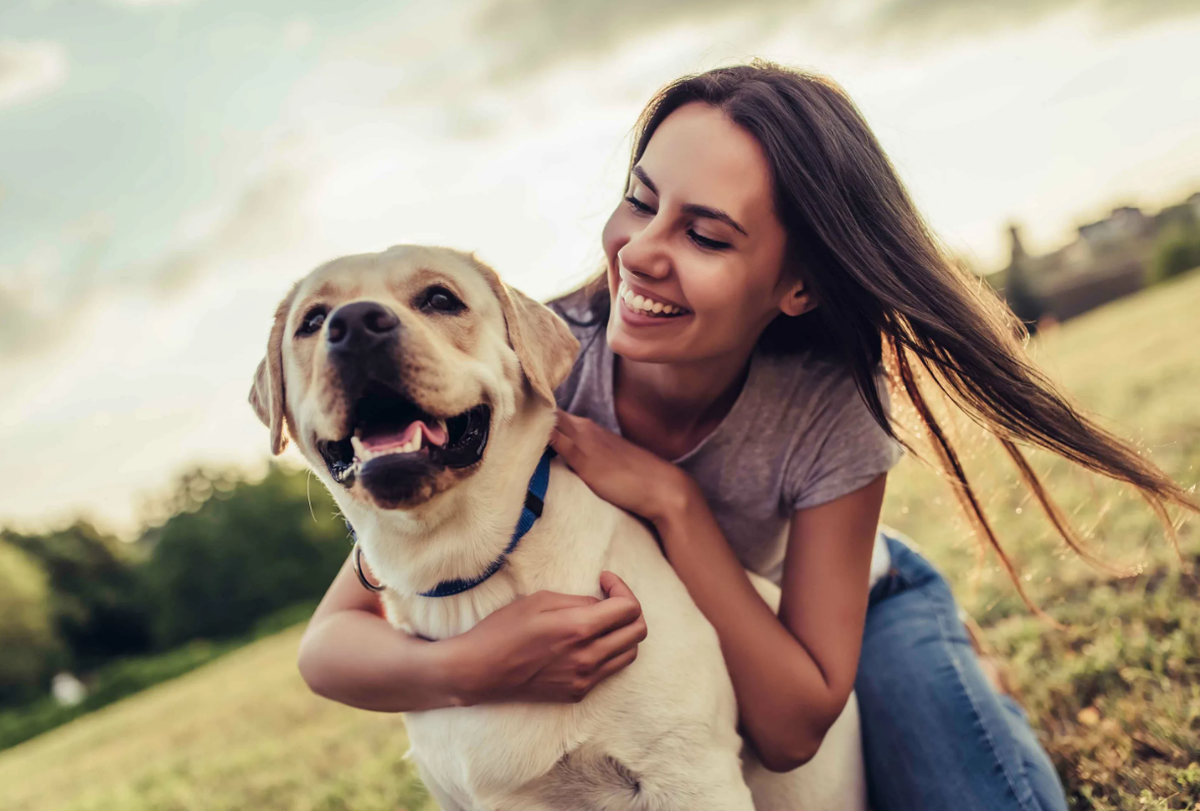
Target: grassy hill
x,y
1115,696
241,733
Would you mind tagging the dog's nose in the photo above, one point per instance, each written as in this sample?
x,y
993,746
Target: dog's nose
x,y
360,327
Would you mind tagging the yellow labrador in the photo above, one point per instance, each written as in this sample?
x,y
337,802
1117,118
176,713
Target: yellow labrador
x,y
419,387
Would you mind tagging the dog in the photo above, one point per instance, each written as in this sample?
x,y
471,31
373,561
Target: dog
x,y
420,389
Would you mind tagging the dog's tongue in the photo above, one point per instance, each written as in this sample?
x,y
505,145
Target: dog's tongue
x,y
436,435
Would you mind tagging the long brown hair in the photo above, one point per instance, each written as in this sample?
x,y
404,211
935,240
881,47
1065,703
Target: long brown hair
x,y
884,287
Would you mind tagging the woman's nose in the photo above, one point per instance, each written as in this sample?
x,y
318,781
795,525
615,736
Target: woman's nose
x,y
645,255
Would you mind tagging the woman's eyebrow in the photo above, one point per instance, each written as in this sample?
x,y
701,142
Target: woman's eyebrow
x,y
713,214
641,175
692,208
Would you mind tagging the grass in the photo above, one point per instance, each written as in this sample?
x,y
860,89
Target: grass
x,y
1115,696
243,732
133,674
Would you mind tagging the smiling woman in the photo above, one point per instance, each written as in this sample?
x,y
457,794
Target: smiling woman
x,y
759,203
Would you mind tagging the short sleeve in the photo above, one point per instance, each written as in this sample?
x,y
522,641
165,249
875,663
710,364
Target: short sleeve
x,y
843,448
576,394
572,310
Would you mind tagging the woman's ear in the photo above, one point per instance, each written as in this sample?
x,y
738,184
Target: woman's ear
x,y
796,300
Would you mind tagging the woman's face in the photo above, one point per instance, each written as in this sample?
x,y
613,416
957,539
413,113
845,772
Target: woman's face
x,y
695,251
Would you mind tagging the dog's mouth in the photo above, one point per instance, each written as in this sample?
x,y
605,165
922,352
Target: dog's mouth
x,y
390,432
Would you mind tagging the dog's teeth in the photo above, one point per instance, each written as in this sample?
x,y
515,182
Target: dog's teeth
x,y
361,452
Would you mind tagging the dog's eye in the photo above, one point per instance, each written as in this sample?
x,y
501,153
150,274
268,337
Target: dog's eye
x,y
441,300
313,320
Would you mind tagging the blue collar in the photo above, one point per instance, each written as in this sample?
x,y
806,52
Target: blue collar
x,y
534,500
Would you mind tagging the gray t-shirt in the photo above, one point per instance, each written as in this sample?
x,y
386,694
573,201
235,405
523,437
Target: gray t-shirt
x,y
798,435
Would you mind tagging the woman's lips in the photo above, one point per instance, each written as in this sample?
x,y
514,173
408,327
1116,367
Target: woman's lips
x,y
640,318
639,298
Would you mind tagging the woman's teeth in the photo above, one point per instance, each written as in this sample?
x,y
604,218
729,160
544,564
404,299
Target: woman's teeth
x,y
647,305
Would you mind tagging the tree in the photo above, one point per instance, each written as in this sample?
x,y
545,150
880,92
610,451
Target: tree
x,y
238,551
1176,250
27,637
1018,291
96,598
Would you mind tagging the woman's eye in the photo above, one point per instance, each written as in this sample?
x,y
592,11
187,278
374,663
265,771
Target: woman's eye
x,y
442,300
312,321
705,242
638,206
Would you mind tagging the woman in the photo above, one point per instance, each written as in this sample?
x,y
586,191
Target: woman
x,y
764,261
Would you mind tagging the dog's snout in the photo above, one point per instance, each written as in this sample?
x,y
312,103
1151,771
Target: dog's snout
x,y
360,326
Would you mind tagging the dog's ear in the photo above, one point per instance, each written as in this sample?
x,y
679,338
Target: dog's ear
x,y
266,395
543,342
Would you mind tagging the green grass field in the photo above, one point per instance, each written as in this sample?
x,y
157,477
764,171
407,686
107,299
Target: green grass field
x,y
1115,696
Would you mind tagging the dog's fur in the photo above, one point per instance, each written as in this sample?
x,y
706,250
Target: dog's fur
x,y
660,734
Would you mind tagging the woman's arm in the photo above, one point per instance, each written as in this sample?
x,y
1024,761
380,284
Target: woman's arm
x,y
350,654
793,673
543,647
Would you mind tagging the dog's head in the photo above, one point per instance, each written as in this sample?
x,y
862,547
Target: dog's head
x,y
391,371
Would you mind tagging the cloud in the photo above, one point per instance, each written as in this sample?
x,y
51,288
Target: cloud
x,y
927,19
527,35
27,305
44,298
265,216
18,319
30,69
536,33
144,3
298,33
450,56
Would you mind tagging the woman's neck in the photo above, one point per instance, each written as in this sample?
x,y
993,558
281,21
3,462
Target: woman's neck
x,y
669,408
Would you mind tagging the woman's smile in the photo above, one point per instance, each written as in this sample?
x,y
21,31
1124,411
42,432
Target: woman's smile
x,y
639,307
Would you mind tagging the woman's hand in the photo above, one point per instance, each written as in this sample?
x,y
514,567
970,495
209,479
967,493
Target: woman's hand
x,y
618,471
550,647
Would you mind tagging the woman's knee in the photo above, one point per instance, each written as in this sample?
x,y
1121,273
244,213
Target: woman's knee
x,y
935,732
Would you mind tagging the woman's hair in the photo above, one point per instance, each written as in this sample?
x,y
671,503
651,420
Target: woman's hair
x,y
883,285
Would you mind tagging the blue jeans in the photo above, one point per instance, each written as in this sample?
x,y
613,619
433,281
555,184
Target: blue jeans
x,y
936,735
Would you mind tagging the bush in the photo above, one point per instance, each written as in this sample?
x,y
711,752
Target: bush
x,y
96,599
231,553
27,635
238,551
1177,250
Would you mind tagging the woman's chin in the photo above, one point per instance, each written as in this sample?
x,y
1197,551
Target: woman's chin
x,y
644,349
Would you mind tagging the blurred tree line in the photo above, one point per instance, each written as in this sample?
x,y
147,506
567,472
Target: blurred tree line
x,y
1176,250
230,552
1169,249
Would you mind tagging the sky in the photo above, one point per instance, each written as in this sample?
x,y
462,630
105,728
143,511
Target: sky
x,y
169,167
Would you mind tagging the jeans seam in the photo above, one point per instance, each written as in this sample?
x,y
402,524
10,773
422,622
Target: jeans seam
x,y
954,660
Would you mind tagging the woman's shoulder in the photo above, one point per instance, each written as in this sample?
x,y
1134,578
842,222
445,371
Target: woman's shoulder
x,y
575,307
584,383
835,444
809,382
